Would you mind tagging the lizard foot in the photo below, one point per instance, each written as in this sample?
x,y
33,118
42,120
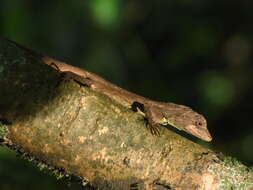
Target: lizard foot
x,y
154,129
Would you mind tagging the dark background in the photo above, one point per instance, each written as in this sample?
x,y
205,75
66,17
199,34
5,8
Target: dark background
x,y
192,52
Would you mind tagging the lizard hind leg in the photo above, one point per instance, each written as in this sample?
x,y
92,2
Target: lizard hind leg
x,y
68,75
55,66
82,81
64,76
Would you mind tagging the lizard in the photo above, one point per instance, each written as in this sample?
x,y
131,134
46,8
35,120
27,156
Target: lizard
x,y
156,113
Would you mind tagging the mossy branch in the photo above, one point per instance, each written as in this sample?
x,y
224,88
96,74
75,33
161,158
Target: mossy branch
x,y
83,133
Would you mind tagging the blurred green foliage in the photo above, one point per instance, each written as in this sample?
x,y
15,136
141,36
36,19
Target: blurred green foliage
x,y
189,52
105,13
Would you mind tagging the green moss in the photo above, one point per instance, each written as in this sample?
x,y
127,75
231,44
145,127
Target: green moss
x,y
232,174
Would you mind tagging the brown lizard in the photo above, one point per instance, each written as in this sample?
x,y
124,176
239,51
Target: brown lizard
x,y
156,113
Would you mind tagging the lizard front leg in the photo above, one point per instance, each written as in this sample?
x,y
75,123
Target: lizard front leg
x,y
150,114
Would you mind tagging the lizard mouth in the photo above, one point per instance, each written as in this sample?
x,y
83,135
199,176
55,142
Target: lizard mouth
x,y
202,133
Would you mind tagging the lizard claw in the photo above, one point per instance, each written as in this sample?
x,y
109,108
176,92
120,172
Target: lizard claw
x,y
154,130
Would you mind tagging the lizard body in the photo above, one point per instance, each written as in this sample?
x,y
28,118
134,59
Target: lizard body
x,y
156,113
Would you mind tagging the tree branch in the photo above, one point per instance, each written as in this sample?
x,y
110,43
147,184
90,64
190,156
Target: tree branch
x,y
86,134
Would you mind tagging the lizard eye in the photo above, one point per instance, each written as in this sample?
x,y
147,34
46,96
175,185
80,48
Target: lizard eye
x,y
198,123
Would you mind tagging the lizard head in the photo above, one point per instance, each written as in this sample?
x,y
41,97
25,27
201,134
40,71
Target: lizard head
x,y
186,119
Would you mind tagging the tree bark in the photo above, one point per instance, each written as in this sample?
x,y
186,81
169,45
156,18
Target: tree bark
x,y
72,129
